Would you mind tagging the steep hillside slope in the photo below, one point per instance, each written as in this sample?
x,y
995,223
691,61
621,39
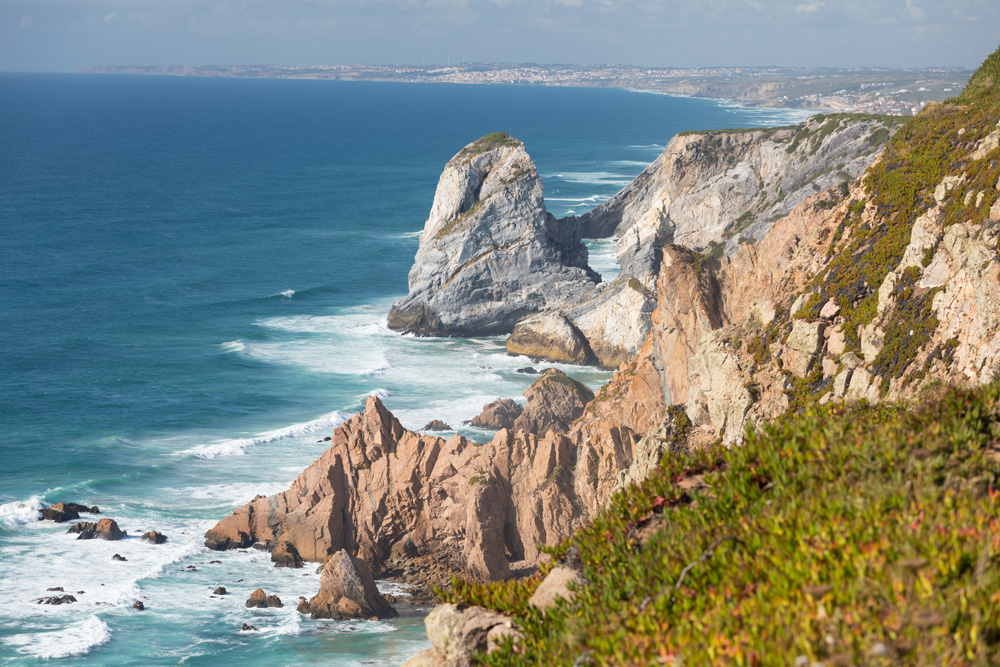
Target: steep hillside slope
x,y
839,534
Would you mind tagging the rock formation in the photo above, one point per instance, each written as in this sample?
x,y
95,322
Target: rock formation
x,y
347,590
554,401
708,192
105,529
62,512
498,414
490,254
261,600
286,555
154,537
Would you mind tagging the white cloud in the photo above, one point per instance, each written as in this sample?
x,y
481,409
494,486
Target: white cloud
x,y
809,7
110,16
26,21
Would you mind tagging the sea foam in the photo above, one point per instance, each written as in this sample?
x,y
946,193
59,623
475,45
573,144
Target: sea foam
x,y
76,639
238,446
19,513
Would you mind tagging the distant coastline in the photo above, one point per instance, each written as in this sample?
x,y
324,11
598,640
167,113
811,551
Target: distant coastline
x,y
868,90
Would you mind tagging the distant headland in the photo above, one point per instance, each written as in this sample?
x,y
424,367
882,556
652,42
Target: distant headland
x,y
900,92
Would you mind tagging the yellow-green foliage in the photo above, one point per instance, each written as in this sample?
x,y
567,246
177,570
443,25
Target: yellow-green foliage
x,y
900,187
864,535
488,142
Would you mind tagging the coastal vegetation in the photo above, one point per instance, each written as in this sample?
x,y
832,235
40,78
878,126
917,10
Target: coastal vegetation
x,y
864,534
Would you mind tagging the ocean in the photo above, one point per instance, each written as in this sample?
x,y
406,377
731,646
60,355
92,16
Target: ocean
x,y
194,281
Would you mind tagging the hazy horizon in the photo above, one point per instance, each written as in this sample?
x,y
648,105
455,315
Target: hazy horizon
x,y
67,35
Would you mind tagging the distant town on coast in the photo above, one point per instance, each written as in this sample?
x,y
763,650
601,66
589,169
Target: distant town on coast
x,y
900,92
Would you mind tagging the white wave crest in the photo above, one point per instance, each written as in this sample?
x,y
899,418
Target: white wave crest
x,y
238,446
593,178
19,513
233,346
76,639
288,293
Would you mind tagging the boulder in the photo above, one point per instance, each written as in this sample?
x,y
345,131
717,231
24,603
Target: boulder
x,y
119,557
56,599
436,425
260,600
554,401
60,513
498,414
221,590
248,628
138,605
105,529
286,555
555,587
550,336
154,537
490,253
457,633
347,590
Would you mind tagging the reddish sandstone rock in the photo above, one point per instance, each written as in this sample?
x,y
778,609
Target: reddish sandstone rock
x,y
105,529
260,600
498,414
347,590
554,401
286,555
60,513
381,490
154,537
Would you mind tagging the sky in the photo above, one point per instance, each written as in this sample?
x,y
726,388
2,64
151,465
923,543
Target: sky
x,y
65,35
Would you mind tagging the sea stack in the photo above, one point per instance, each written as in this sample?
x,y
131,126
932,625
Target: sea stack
x,y
490,253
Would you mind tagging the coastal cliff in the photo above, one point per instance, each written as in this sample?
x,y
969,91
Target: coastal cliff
x,y
876,289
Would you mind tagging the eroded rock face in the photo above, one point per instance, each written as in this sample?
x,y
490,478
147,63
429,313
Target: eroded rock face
x,y
347,590
554,401
490,254
382,492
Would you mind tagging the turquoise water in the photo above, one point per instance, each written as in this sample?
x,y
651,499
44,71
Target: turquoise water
x,y
194,279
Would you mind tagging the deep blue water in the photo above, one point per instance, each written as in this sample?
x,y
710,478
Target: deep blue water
x,y
194,277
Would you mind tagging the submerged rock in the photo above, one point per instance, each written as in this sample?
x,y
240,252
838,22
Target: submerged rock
x,y
490,253
119,557
138,605
347,590
56,599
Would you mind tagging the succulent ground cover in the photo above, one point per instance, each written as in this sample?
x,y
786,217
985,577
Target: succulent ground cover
x,y
843,534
